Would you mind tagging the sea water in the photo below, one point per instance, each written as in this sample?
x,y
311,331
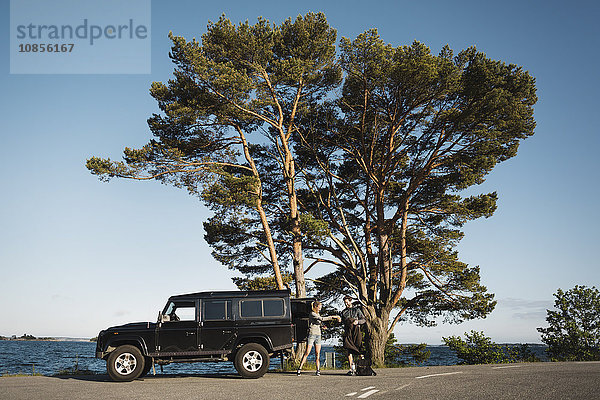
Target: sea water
x,y
51,357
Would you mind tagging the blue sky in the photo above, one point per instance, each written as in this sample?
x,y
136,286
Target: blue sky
x,y
77,255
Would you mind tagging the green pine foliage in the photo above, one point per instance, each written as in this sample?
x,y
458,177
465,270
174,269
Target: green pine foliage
x,y
224,132
261,282
573,333
384,165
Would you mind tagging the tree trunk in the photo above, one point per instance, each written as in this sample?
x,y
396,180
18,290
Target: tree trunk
x,y
298,267
295,226
270,244
384,230
376,337
297,261
261,211
298,353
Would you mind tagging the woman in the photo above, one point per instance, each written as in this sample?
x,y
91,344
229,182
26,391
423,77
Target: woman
x,y
314,334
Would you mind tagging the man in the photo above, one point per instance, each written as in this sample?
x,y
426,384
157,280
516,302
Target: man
x,y
352,318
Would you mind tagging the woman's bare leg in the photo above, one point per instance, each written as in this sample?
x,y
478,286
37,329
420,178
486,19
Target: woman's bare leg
x,y
318,352
306,353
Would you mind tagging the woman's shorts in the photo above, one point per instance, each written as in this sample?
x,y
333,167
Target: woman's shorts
x,y
313,338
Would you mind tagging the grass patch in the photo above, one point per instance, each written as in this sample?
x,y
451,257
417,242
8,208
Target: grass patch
x,y
19,374
75,371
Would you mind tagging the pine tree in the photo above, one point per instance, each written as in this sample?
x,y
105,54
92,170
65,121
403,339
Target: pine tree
x,y
225,131
384,165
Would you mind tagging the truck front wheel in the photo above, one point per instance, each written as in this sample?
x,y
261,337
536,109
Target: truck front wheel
x,y
125,363
147,366
252,361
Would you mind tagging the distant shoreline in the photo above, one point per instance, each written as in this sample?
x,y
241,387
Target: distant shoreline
x,y
28,338
74,339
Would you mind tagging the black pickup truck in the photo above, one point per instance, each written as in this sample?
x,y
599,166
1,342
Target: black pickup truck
x,y
244,327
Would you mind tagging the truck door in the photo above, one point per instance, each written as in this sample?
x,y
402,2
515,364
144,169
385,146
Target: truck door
x,y
180,333
300,312
218,329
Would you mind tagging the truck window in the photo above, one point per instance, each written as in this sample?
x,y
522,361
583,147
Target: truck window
x,y
181,311
273,308
216,310
262,308
251,308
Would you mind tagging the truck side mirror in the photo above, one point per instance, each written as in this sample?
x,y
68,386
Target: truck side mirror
x,y
163,318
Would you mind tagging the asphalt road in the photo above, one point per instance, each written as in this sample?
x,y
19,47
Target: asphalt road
x,y
506,381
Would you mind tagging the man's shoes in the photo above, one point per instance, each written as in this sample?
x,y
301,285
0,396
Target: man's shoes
x,y
318,373
351,373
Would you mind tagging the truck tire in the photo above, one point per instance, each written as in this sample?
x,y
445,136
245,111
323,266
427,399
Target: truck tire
x,y
125,363
147,366
251,361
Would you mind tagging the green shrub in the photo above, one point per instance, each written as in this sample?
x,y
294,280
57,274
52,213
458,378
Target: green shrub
x,y
574,331
405,355
479,349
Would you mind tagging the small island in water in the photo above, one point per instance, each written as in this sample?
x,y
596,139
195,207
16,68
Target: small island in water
x,y
26,337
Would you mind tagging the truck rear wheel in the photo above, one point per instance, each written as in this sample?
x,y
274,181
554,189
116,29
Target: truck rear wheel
x,y
251,361
125,363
